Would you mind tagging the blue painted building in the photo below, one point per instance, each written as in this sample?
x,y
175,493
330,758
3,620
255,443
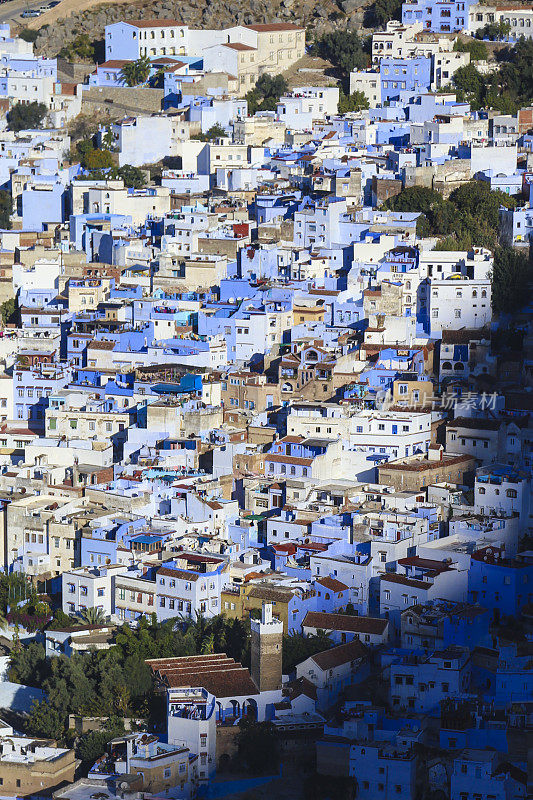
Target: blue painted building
x,y
404,74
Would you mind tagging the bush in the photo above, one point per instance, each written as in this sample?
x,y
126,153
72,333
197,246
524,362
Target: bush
x,y
27,619
345,49
81,48
28,35
216,131
353,102
93,744
266,93
478,50
23,117
470,216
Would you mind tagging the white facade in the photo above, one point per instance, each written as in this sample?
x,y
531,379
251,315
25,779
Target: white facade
x,y
458,303
307,103
89,587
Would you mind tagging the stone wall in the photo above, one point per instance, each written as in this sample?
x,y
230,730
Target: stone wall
x,y
121,100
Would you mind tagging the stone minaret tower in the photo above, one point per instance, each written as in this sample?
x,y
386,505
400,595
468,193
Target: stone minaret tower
x,y
267,641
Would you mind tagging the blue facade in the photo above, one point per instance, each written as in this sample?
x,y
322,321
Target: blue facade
x,y
444,16
404,74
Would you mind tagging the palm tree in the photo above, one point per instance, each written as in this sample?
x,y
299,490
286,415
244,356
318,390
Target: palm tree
x,y
93,616
136,72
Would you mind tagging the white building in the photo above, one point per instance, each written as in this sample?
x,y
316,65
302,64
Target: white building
x,y
90,587
299,108
458,302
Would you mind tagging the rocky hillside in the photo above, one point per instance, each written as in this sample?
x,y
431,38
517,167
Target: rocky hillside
x,y
318,15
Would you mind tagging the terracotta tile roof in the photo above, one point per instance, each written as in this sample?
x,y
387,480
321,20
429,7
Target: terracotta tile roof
x,y
332,584
114,63
344,622
177,573
238,46
220,675
414,584
275,593
427,564
344,653
475,424
302,686
464,335
281,459
154,23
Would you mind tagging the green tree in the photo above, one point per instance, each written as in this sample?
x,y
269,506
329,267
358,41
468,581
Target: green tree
x,y
45,720
6,209
92,745
353,102
470,85
515,76
414,198
494,31
385,10
511,276
8,313
478,50
23,117
257,745
216,131
343,48
133,177
97,159
266,93
476,199
136,72
297,647
28,665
